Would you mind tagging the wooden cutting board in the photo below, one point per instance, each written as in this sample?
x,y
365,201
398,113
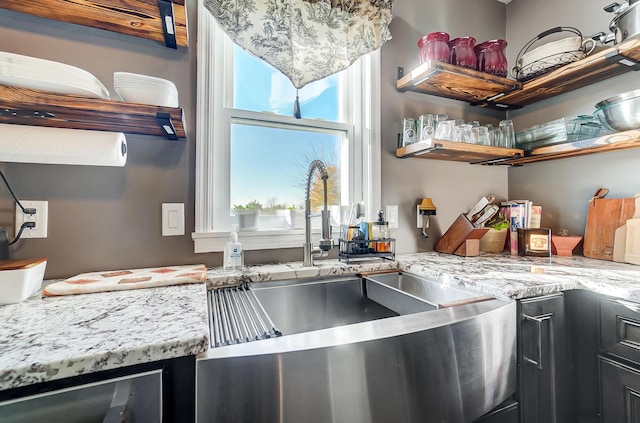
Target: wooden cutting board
x,y
632,239
17,264
605,215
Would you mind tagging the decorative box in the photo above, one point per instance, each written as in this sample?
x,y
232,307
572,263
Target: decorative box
x,y
534,242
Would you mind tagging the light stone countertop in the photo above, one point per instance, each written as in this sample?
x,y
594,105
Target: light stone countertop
x,y
512,277
43,339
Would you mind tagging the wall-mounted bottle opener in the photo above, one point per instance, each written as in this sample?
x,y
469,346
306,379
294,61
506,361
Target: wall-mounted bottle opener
x,y
426,209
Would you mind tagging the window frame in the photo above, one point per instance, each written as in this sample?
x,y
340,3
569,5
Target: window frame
x,y
212,158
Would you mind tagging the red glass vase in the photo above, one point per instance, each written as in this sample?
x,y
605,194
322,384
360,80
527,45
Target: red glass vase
x,y
462,53
491,58
434,46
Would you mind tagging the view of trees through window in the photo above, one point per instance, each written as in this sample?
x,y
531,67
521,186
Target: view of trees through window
x,y
269,161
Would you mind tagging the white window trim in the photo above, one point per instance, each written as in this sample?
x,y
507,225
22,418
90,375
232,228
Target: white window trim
x,y
211,163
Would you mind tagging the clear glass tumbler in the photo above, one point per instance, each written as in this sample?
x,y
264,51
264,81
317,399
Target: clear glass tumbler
x,y
480,135
408,131
426,126
446,131
508,133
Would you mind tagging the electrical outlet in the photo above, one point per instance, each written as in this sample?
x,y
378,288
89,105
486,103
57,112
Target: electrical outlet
x,y
391,214
40,218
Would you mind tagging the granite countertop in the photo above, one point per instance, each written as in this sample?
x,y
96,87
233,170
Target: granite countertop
x,y
43,339
513,277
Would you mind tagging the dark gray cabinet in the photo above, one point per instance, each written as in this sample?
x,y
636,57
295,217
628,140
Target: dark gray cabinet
x,y
620,391
619,362
544,360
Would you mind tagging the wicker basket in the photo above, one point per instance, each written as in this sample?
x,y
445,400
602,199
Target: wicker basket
x,y
494,240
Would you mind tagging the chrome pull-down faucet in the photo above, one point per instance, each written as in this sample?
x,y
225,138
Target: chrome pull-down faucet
x,y
325,241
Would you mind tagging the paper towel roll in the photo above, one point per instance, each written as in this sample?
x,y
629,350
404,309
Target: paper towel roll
x,y
38,144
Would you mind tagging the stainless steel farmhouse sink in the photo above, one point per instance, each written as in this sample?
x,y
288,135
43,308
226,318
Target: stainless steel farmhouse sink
x,y
391,347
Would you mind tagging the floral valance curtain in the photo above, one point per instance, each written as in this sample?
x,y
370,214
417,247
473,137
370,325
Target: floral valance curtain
x,y
306,40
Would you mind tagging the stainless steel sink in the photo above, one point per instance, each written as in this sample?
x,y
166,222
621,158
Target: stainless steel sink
x,y
383,348
435,293
321,304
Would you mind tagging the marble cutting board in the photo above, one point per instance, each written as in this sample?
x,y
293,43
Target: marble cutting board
x,y
127,279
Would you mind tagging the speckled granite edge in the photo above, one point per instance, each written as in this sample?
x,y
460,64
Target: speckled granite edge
x,y
283,271
44,339
514,277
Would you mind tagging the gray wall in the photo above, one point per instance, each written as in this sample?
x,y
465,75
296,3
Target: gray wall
x,y
563,187
101,218
104,218
107,218
454,187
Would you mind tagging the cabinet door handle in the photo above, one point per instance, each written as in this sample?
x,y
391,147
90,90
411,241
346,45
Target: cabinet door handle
x,y
538,321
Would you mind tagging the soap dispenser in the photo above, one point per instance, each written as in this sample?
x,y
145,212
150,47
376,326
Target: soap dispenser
x,y
233,252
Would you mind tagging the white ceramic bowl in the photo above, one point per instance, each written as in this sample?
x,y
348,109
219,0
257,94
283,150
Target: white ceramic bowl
x,y
17,285
145,89
144,95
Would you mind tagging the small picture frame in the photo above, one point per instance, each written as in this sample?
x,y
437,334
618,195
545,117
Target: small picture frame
x,y
534,242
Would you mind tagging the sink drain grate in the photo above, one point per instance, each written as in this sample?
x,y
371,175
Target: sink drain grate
x,y
236,316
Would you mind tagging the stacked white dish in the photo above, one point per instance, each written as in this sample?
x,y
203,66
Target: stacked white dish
x,y
145,89
21,71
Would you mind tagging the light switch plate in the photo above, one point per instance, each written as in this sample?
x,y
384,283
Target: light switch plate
x,y
172,219
391,214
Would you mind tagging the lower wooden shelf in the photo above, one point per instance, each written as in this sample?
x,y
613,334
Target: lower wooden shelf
x,y
480,154
436,149
39,108
612,142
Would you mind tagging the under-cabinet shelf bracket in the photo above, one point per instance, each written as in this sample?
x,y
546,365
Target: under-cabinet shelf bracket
x,y
168,23
164,120
494,101
616,57
497,161
434,147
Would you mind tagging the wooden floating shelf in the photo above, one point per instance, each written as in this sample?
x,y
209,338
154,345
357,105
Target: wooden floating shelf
x,y
40,108
596,67
458,151
479,88
612,142
456,82
139,18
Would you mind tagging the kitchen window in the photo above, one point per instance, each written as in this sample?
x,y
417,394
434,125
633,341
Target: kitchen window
x,y
251,151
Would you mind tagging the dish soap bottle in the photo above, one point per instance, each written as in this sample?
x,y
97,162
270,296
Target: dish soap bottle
x,y
233,252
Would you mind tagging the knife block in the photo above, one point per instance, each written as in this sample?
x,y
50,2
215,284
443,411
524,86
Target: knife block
x,y
462,238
